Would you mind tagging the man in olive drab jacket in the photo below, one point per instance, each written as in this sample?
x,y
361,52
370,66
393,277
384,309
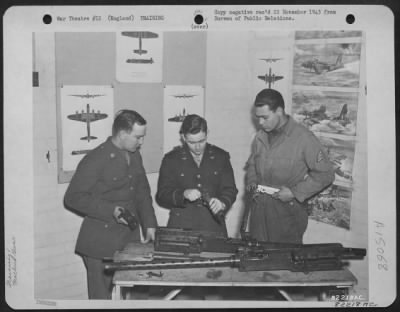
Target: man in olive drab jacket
x,y
189,172
287,156
109,181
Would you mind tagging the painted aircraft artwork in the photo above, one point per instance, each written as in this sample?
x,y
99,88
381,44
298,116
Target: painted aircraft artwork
x,y
184,95
179,117
270,78
140,35
318,120
319,67
87,95
87,117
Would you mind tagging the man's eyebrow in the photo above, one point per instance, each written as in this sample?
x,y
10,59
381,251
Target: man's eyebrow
x,y
197,141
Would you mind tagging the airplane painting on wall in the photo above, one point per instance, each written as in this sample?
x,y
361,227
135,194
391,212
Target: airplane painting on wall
x,y
341,154
86,119
180,101
139,56
330,65
328,112
332,206
318,34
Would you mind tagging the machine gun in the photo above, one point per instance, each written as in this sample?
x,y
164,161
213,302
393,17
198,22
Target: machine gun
x,y
194,242
245,255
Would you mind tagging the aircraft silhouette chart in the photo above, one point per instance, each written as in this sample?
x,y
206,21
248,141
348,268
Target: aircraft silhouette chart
x,y
87,117
140,61
319,67
87,95
179,117
270,59
140,35
270,78
184,95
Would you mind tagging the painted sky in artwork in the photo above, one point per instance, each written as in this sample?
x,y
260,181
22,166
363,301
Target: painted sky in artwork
x,y
317,34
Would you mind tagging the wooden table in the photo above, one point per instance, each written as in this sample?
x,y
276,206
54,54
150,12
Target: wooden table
x,y
223,277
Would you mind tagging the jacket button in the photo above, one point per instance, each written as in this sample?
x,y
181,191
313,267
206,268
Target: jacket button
x,y
131,188
106,225
291,203
130,176
199,176
115,178
199,185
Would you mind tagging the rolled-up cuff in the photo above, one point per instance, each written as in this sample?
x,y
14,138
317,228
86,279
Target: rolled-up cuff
x,y
177,198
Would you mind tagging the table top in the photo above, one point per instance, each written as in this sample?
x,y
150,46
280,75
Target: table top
x,y
222,276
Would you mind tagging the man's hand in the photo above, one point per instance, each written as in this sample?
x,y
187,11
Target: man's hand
x,y
117,212
251,187
284,194
216,205
192,194
150,235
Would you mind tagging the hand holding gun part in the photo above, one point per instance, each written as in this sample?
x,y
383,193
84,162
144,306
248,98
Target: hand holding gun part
x,y
206,198
129,218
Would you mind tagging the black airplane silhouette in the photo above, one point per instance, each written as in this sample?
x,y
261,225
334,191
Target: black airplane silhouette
x,y
178,118
271,60
140,61
140,35
87,95
319,67
184,96
87,117
270,78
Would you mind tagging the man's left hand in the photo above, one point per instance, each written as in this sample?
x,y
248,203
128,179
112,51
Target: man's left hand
x,y
284,194
150,235
216,205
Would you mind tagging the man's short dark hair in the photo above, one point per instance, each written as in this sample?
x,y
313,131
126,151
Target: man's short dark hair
x,y
125,120
269,97
193,124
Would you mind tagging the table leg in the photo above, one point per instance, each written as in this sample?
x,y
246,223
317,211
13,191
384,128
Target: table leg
x,y
172,294
284,294
116,293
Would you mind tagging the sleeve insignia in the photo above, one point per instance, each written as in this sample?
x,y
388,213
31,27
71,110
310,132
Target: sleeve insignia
x,y
320,157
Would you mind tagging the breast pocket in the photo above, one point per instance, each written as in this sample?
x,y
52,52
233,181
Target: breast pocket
x,y
281,168
115,181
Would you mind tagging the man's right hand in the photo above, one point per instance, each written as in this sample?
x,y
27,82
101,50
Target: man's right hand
x,y
251,187
191,194
117,213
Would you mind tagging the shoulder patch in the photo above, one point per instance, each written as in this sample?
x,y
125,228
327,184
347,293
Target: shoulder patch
x,y
320,156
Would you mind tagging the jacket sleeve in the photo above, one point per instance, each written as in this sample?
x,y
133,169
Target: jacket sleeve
x,y
227,191
320,173
143,200
79,195
251,175
169,195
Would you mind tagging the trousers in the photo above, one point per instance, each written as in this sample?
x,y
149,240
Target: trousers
x,y
275,221
99,282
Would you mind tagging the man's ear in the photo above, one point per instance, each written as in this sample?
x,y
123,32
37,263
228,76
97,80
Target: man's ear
x,y
279,110
183,140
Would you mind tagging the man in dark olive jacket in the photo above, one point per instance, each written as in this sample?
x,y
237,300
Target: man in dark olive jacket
x,y
286,156
190,172
109,180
